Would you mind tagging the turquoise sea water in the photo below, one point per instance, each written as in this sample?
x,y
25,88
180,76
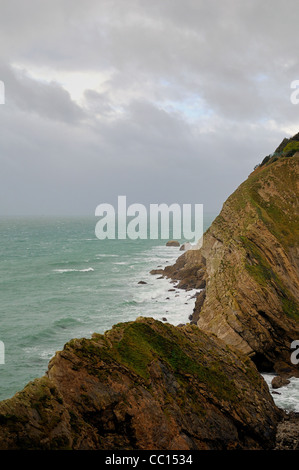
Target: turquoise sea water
x,y
58,281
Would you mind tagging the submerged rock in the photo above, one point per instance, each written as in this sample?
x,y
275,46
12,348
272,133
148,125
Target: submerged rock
x,y
172,243
157,271
143,385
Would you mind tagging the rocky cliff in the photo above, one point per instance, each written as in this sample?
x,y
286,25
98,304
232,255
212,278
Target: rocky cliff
x,y
149,385
143,385
248,266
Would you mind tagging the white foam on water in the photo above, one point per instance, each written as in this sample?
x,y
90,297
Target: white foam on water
x,y
61,271
106,255
158,298
286,397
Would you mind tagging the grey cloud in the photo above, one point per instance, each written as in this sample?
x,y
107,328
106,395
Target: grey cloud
x,y
49,100
138,136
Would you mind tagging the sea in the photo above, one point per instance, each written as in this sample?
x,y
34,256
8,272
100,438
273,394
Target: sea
x,y
58,281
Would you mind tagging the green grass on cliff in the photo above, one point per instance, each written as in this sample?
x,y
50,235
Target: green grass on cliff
x,y
272,194
139,344
265,276
269,196
291,148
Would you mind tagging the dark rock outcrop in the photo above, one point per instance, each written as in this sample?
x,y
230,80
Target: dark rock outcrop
x,y
288,433
189,270
278,382
172,243
143,385
200,298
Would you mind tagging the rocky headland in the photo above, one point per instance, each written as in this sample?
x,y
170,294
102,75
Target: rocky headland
x,y
150,385
248,267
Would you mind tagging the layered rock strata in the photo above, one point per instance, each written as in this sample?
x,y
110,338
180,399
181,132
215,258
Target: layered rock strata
x,y
143,385
248,267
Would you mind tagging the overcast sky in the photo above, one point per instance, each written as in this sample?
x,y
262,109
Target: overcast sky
x,y
164,101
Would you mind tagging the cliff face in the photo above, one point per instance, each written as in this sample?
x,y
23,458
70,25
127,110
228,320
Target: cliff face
x,y
249,266
149,385
143,385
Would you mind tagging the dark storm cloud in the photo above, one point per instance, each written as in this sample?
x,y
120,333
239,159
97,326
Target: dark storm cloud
x,y
190,96
48,100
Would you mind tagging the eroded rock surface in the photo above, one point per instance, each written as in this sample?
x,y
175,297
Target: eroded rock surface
x,y
143,385
248,266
